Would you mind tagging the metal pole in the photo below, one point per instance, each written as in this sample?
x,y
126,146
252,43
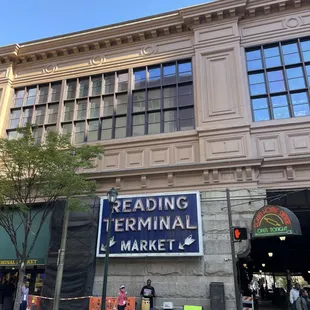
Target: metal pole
x,y
106,261
233,253
61,258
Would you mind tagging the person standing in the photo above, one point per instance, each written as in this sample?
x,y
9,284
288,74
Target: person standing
x,y
303,302
24,296
294,294
121,298
148,292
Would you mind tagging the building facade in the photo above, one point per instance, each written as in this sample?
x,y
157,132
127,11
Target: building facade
x,y
205,98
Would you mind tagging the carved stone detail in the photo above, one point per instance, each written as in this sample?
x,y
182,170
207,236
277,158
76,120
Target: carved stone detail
x,y
97,60
292,22
50,68
148,50
118,183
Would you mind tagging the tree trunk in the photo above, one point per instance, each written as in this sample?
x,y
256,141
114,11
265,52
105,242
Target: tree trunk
x,y
21,275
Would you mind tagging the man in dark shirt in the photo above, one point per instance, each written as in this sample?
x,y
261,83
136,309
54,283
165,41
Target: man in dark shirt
x,y
148,291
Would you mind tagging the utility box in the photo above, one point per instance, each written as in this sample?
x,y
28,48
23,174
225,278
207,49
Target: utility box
x,y
217,296
168,305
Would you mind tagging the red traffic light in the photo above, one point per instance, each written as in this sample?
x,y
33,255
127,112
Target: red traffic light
x,y
240,233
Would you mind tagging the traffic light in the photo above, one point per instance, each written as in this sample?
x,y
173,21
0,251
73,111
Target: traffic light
x,y
240,233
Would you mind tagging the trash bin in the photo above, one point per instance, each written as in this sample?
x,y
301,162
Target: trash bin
x,y
145,304
217,296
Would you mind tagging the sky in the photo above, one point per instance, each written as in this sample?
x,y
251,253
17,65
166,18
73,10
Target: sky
x,y
27,20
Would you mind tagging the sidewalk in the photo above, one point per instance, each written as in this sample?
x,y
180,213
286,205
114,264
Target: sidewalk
x,y
267,305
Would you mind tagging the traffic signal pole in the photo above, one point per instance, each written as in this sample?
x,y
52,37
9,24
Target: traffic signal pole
x,y
233,252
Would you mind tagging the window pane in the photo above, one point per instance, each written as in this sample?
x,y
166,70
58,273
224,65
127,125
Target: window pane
x,y
186,124
71,89
40,115
299,98
120,127
291,54
84,84
255,65
108,105
121,104
186,113
139,78
261,115
15,115
96,85
106,129
68,111
186,95
169,74
19,95
67,130
122,81
279,101
260,103
305,46
170,97
109,82
185,71
43,94
81,109
94,107
31,96
79,132
301,110
257,84
55,91
139,101
154,76
51,128
12,134
276,81
52,113
272,57
170,115
138,125
154,99
170,126
295,78
253,55
37,134
93,131
27,116
154,123
282,112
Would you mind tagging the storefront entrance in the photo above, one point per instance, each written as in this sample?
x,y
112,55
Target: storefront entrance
x,y
278,261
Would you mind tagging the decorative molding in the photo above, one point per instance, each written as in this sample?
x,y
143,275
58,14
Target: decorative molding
x,y
97,60
292,22
50,68
149,50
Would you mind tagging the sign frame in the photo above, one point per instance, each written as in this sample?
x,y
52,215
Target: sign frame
x,y
137,255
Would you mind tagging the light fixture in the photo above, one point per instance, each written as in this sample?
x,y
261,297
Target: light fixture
x,y
112,195
245,265
282,238
260,271
263,265
308,271
270,254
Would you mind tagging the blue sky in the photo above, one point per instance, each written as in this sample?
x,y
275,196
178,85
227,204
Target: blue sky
x,y
27,20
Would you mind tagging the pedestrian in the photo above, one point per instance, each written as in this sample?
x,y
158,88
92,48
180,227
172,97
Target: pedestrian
x,y
294,294
148,292
24,295
121,298
303,302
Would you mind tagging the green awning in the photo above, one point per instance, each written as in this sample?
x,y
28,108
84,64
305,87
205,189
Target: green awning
x,y
38,255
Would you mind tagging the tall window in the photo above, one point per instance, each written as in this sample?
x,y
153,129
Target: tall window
x,y
279,76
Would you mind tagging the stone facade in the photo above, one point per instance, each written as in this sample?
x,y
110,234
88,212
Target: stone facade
x,y
187,280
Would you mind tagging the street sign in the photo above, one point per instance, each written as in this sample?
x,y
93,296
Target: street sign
x,y
165,224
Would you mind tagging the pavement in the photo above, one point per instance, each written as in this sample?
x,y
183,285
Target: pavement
x,y
267,305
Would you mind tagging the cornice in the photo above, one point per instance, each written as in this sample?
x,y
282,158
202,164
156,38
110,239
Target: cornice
x,y
141,30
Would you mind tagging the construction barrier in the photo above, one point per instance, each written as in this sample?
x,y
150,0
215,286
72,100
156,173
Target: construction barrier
x,y
247,303
111,303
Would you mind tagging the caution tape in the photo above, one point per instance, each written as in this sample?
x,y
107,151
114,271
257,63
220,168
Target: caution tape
x,y
70,298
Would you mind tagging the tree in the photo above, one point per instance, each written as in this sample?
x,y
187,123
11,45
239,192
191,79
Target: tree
x,y
32,173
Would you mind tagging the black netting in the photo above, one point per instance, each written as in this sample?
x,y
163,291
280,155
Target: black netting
x,y
80,259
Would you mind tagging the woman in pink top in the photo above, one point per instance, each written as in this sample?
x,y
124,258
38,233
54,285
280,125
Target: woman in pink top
x,y
121,298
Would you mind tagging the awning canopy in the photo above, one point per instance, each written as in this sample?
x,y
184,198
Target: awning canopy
x,y
272,221
38,255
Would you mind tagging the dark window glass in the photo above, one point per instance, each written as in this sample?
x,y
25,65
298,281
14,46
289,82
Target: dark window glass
x,y
67,130
138,101
37,134
84,85
154,123
154,76
31,96
71,89
96,85
138,128
94,110
43,94
12,134
169,72
121,104
108,105
79,132
52,113
15,116
154,99
81,109
122,81
40,115
185,71
106,129
120,127
279,87
109,83
55,91
68,111
93,130
139,78
18,98
27,116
